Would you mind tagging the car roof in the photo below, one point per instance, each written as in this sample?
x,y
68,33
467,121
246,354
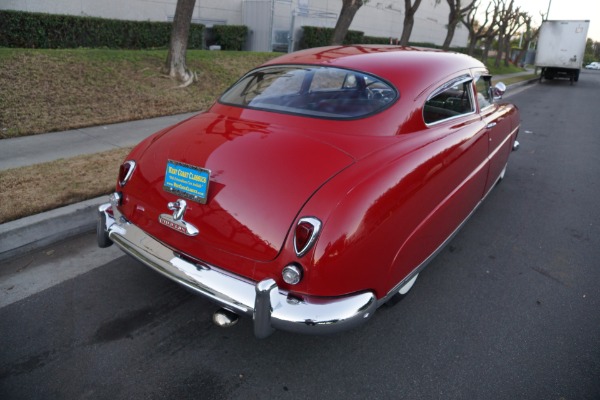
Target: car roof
x,y
410,69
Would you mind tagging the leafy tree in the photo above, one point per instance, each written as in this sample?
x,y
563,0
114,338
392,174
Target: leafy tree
x,y
175,66
511,20
492,32
409,20
529,36
454,17
518,20
349,9
479,31
589,46
592,51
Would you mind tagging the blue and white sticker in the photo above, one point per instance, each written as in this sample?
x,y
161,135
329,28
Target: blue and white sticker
x,y
187,181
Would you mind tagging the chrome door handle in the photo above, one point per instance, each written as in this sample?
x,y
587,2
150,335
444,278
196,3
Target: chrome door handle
x,y
491,125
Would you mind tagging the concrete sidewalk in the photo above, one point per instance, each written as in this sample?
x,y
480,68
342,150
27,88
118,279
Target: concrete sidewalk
x,y
36,231
31,233
30,150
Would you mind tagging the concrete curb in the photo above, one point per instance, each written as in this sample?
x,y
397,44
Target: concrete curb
x,y
31,233
522,83
34,232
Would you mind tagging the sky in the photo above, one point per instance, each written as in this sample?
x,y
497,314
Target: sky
x,y
566,9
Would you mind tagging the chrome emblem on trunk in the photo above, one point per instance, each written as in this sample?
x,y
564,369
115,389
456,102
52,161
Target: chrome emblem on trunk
x,y
178,207
176,221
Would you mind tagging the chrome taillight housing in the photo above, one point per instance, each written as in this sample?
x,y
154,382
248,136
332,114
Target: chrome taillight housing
x,y
125,172
305,235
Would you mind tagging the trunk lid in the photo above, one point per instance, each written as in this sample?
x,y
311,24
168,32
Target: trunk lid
x,y
260,178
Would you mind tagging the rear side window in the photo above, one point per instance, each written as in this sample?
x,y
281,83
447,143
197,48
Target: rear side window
x,y
314,91
451,100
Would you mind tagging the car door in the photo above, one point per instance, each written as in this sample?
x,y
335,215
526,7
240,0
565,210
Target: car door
x,y
453,170
498,128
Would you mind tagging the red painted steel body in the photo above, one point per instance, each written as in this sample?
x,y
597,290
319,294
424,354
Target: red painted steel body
x,y
388,188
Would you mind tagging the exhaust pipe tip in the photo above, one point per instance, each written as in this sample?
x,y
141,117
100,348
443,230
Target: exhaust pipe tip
x,y
225,318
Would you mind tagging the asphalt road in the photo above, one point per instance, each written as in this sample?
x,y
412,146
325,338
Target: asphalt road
x,y
509,310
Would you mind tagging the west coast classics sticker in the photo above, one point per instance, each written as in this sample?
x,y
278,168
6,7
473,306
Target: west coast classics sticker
x,y
187,181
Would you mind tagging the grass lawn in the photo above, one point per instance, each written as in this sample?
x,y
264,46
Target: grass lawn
x,y
42,187
55,90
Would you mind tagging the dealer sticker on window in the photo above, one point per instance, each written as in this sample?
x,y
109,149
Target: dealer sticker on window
x,y
187,181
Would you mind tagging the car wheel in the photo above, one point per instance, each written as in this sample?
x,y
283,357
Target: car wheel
x,y
402,293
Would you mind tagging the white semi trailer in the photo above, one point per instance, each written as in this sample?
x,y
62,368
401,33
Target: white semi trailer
x,y
560,49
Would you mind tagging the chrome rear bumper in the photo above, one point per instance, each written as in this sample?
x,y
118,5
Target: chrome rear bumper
x,y
269,307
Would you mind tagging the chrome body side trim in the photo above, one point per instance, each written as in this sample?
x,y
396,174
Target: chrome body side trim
x,y
270,307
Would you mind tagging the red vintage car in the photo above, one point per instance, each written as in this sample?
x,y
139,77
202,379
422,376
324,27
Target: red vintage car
x,y
318,186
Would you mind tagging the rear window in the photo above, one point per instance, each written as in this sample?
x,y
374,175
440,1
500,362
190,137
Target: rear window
x,y
323,92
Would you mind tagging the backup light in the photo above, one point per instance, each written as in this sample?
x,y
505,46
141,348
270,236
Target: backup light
x,y
305,235
115,200
292,274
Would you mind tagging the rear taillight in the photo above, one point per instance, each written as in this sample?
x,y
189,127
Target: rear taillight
x,y
305,235
125,172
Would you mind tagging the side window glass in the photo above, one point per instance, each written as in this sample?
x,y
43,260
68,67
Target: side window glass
x,y
483,86
450,100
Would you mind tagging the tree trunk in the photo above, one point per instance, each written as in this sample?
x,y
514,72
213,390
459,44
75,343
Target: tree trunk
x,y
454,17
449,36
472,45
507,53
529,37
520,60
409,20
500,52
486,48
349,9
407,30
175,66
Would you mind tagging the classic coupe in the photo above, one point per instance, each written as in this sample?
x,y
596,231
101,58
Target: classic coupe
x,y
318,186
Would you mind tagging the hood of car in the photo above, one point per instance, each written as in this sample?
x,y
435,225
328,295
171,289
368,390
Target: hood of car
x,y
259,178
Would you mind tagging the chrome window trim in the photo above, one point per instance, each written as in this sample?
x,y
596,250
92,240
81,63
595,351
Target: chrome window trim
x,y
311,68
453,82
449,119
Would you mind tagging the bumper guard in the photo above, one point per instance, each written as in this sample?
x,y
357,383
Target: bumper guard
x,y
269,307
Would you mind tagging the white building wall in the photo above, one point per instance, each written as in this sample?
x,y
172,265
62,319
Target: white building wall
x,y
137,10
376,18
228,11
386,18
